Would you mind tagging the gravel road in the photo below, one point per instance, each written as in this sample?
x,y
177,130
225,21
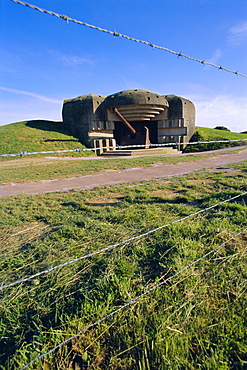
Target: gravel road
x,y
157,170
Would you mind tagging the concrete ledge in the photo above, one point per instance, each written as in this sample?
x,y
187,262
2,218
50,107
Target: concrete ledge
x,y
143,152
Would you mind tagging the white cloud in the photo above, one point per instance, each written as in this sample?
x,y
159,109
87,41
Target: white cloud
x,y
28,93
74,60
70,60
16,111
23,105
222,110
215,57
238,33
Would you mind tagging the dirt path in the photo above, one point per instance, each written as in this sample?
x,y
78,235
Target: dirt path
x,y
155,171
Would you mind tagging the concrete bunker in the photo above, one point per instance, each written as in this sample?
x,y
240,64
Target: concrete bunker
x,y
130,117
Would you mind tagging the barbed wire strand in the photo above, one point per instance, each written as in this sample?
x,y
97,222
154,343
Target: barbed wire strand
x,y
116,245
134,300
114,33
23,153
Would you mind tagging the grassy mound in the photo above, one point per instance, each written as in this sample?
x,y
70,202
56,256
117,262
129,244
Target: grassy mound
x,y
195,321
209,134
39,135
36,136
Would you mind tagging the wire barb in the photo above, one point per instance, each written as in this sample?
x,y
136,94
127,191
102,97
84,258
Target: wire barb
x,y
115,33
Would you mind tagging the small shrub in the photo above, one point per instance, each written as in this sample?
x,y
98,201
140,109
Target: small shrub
x,y
223,128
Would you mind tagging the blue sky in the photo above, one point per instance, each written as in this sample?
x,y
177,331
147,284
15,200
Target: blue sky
x,y
44,60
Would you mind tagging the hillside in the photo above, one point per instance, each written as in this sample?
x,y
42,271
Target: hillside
x,y
210,134
35,136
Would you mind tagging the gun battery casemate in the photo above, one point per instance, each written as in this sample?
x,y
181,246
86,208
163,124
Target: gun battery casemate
x,y
130,117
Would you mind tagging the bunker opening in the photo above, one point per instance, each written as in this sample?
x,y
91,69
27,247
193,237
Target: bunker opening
x,y
129,118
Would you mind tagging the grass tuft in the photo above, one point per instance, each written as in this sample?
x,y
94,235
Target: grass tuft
x,y
196,321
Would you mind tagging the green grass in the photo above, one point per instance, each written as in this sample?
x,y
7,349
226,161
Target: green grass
x,y
34,169
47,135
40,135
35,136
208,134
197,321
212,134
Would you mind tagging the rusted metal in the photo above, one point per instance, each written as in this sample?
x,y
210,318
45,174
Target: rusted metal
x,y
127,124
147,139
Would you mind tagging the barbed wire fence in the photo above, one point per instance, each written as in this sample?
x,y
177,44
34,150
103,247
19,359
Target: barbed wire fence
x,y
105,249
114,33
119,147
162,281
132,301
138,298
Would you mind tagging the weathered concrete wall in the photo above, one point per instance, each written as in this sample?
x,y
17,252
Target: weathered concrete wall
x,y
91,116
181,113
133,97
82,115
